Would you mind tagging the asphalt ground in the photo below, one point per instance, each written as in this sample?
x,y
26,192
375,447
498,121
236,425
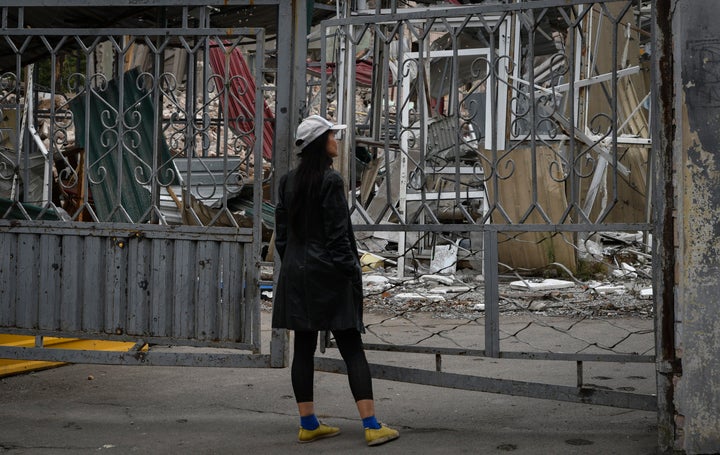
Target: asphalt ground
x,y
83,409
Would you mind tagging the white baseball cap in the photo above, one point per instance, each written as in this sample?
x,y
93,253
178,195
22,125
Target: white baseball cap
x,y
312,128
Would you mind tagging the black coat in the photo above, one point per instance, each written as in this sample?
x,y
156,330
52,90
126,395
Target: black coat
x,y
320,281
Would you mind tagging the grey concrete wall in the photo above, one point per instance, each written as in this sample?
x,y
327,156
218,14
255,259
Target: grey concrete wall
x,y
697,150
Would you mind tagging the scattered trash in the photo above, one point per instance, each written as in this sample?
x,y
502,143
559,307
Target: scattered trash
x,y
646,293
370,261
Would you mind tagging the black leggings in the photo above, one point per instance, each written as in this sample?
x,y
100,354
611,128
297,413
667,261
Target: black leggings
x,y
351,349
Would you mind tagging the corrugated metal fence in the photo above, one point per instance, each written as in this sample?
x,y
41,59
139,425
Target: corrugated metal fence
x,y
147,283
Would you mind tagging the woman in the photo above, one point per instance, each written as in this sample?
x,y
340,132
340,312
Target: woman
x,y
320,282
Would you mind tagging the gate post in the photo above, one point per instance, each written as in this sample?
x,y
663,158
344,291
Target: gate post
x,y
292,49
692,130
663,235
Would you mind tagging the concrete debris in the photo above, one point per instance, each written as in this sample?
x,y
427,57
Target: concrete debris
x,y
625,271
609,289
437,279
590,250
541,284
444,259
375,283
646,293
418,297
375,280
400,281
266,272
449,289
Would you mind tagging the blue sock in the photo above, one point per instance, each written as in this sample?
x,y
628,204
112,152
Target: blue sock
x,y
309,422
371,422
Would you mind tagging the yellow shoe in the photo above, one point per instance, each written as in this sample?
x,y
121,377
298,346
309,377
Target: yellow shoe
x,y
323,431
381,435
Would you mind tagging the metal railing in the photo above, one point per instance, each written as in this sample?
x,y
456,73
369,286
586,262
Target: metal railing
x,y
515,137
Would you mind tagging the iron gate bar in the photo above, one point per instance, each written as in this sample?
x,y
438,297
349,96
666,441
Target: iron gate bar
x,y
460,11
145,358
133,32
623,358
127,231
144,3
127,338
506,386
475,227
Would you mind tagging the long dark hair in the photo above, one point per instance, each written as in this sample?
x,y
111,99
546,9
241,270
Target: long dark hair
x,y
314,161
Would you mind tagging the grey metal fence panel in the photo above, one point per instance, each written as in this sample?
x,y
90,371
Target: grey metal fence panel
x,y
133,293
512,121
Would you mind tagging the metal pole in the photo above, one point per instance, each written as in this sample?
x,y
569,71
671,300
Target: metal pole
x,y
290,106
492,294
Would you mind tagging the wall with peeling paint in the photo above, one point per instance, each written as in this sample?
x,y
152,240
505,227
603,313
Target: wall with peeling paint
x,y
697,58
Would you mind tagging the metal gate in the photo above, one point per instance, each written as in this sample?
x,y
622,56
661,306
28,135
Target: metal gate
x,y
131,179
515,136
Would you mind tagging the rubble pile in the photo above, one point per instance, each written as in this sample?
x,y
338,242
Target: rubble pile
x,y
464,299
621,287
622,290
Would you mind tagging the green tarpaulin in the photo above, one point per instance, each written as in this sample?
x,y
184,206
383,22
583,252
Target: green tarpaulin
x,y
120,148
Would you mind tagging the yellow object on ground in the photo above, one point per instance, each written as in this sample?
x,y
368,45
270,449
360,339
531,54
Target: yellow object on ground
x,y
10,366
371,261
